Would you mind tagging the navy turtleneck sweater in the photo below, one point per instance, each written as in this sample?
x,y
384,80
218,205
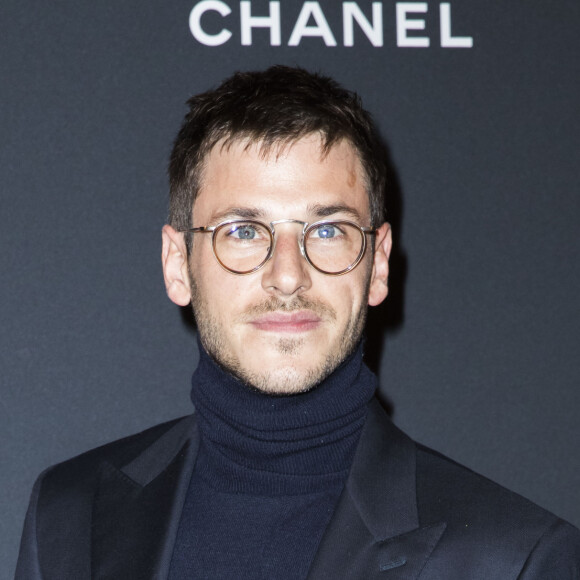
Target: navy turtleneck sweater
x,y
268,473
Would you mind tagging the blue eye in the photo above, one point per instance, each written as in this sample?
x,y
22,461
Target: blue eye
x,y
245,233
326,231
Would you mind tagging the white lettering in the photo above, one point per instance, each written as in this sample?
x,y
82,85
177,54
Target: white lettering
x,y
312,22
352,12
195,22
302,29
247,22
404,24
448,41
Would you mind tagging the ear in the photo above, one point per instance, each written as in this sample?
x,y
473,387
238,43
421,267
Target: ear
x,y
379,288
174,262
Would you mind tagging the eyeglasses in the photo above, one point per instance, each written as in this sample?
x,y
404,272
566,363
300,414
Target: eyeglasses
x,y
244,246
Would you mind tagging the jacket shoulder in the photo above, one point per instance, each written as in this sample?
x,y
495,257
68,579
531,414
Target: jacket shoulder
x,y
485,519
84,468
447,488
60,513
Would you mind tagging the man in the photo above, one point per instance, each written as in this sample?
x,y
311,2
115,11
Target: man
x,y
288,469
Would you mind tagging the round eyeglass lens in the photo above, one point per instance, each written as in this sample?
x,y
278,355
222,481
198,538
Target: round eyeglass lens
x,y
242,246
334,247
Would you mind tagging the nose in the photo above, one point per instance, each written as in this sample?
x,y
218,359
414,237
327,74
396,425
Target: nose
x,y
287,273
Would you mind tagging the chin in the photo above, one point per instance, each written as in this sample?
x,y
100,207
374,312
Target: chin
x,y
285,374
284,381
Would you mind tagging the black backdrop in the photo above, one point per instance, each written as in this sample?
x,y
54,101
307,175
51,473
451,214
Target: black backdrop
x,y
478,347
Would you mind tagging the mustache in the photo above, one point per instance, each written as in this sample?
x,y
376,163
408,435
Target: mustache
x,y
273,304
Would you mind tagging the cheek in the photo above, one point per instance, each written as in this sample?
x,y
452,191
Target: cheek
x,y
228,295
349,297
360,281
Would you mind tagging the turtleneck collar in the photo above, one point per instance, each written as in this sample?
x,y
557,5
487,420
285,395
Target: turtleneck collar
x,y
261,444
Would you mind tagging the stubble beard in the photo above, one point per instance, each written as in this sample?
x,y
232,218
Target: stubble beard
x,y
289,380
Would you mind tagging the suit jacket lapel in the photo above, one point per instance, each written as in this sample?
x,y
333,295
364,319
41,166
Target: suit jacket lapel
x,y
137,508
375,532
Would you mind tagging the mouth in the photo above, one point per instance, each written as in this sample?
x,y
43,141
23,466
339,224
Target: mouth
x,y
291,322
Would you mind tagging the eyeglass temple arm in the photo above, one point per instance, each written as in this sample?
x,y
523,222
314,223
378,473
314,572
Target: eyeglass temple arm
x,y
201,230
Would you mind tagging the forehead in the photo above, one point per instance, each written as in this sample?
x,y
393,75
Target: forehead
x,y
287,177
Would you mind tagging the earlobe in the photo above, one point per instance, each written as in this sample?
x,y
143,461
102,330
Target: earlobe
x,y
174,263
379,287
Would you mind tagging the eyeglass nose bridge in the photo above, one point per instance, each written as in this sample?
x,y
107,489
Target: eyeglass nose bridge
x,y
300,241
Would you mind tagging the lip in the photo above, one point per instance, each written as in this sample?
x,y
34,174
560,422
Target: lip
x,y
302,321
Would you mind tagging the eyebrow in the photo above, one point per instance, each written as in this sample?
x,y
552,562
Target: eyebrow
x,y
238,212
322,211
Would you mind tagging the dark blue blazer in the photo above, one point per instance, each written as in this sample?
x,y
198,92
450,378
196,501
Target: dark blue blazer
x,y
406,513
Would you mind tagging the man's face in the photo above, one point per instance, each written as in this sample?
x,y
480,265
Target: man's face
x,y
285,327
